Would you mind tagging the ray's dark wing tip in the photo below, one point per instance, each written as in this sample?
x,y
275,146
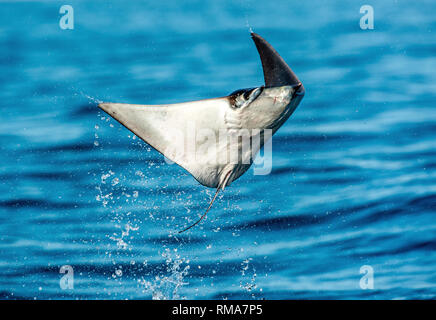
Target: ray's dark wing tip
x,y
276,71
255,35
259,41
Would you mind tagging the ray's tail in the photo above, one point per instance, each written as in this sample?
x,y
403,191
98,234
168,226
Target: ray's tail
x,y
221,186
204,214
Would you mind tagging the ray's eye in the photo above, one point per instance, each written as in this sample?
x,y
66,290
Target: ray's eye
x,y
244,97
253,93
246,94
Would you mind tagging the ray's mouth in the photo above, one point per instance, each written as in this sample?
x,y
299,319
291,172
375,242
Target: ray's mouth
x,y
298,90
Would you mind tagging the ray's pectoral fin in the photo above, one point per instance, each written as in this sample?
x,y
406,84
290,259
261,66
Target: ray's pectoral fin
x,y
220,187
168,129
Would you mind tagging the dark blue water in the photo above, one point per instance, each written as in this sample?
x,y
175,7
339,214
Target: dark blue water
x,y
354,169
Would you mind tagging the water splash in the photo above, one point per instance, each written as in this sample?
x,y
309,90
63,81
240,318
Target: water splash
x,y
250,285
119,239
87,96
166,286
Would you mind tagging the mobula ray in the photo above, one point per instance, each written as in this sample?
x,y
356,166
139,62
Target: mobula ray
x,y
204,136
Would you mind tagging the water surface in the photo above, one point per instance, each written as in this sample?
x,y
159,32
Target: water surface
x,y
354,169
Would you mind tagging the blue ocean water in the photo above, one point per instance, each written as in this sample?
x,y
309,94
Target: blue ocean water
x,y
354,169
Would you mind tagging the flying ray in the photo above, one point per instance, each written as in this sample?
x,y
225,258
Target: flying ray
x,y
200,135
